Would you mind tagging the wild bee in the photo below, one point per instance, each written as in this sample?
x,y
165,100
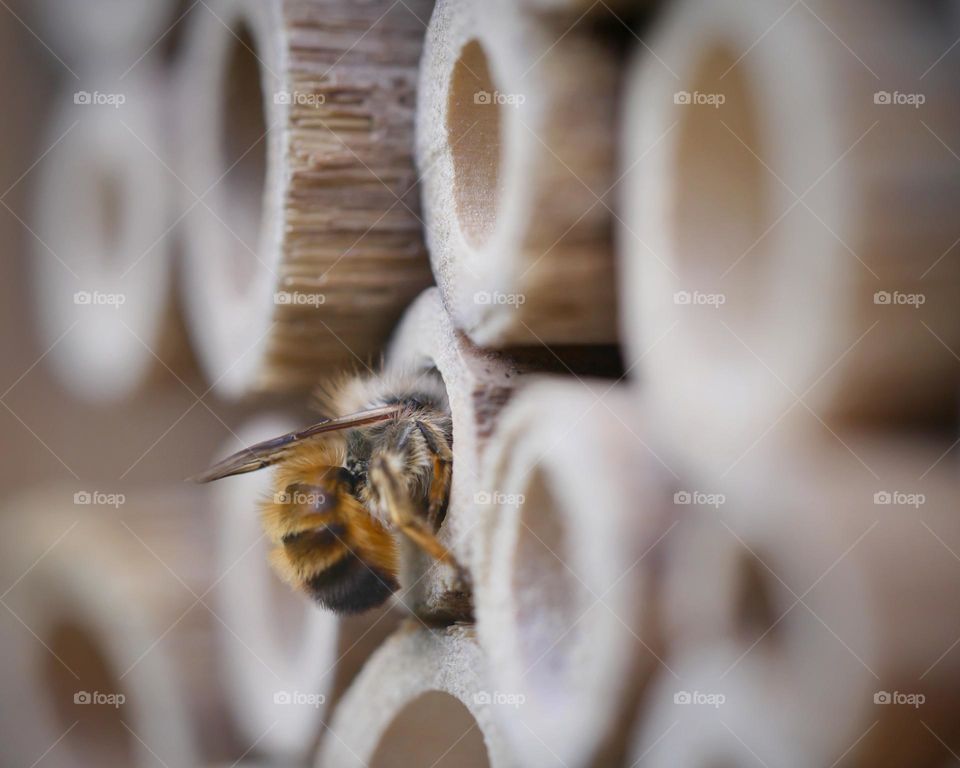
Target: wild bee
x,y
380,465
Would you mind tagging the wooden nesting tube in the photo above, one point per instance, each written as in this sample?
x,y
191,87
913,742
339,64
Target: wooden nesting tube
x,y
422,699
284,661
874,563
279,651
572,500
514,144
102,602
102,272
478,384
743,298
313,246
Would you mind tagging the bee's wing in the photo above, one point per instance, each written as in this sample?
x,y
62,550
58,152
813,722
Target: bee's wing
x,y
271,451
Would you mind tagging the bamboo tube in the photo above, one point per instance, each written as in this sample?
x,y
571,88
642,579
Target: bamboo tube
x,y
873,559
562,591
514,148
103,30
738,297
103,644
422,699
279,651
102,267
478,384
298,120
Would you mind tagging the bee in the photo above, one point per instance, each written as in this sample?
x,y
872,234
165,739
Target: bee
x,y
379,466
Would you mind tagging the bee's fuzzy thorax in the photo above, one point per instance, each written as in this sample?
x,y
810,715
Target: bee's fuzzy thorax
x,y
350,394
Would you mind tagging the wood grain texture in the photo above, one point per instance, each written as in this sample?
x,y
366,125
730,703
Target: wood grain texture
x,y
339,247
515,145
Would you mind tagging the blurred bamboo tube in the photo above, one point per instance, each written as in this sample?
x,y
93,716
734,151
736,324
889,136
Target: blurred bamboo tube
x,y
102,266
422,699
100,601
298,134
763,263
562,592
104,30
750,722
279,650
812,589
515,147
478,383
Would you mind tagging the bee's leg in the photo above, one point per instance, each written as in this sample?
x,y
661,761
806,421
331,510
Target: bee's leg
x,y
442,472
404,516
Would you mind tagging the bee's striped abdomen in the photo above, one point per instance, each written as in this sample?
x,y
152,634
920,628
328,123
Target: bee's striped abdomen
x,y
351,585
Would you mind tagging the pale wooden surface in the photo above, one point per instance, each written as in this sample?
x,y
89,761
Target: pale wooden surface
x,y
337,188
513,145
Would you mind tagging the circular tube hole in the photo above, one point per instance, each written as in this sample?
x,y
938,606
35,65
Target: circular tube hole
x,y
474,109
756,613
110,205
244,151
719,204
100,738
434,729
542,547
